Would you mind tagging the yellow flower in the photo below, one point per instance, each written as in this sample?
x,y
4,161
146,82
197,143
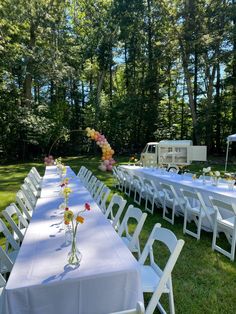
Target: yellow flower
x,y
68,215
67,191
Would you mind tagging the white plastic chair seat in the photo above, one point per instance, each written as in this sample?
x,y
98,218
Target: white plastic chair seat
x,y
228,222
196,211
12,255
128,242
150,279
15,236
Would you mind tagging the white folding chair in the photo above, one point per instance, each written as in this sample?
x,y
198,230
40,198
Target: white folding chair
x,y
22,203
102,197
128,183
121,178
117,202
82,171
115,175
6,263
138,310
18,223
26,199
36,175
170,200
139,189
194,210
30,196
9,254
31,187
91,183
224,221
154,279
34,180
2,287
97,189
87,178
152,195
132,240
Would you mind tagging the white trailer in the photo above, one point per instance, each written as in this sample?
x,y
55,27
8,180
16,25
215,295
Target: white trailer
x,y
172,153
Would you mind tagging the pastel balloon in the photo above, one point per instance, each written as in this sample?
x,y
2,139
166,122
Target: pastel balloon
x,y
109,167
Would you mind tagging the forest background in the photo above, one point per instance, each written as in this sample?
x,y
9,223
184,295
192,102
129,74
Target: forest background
x,y
135,70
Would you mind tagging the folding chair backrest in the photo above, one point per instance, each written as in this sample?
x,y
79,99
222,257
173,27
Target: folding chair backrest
x,y
102,198
25,199
2,281
8,212
9,237
5,262
91,182
30,185
37,175
168,190
174,246
82,171
22,205
97,189
34,181
117,200
219,205
140,217
29,195
87,177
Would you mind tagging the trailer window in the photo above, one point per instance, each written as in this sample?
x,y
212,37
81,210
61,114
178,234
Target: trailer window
x,y
152,149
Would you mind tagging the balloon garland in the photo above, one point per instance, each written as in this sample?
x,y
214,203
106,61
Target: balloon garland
x,y
107,151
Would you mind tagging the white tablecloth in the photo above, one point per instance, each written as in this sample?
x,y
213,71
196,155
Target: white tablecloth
x,y
221,191
42,282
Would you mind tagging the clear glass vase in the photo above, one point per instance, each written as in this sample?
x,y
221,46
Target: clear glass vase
x,y
74,256
215,181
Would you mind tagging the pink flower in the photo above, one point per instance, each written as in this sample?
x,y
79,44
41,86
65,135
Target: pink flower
x,y
87,206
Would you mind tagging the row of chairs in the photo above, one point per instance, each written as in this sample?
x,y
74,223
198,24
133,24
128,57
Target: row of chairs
x,y
176,200
17,215
154,279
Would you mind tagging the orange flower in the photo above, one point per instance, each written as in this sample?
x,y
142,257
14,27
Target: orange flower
x,y
66,222
87,206
80,219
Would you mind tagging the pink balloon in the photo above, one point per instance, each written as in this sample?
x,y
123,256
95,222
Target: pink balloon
x,y
106,162
109,167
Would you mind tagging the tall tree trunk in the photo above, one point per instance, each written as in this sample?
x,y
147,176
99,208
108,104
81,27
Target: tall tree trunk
x,y
218,109
27,85
185,62
209,111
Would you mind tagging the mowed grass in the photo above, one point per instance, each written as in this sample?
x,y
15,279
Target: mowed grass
x,y
204,281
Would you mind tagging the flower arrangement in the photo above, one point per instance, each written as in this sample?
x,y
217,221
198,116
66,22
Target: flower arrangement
x,y
66,193
133,159
61,168
64,182
214,174
48,160
73,221
206,170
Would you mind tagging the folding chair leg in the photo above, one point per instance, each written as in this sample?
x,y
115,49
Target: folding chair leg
x,y
171,298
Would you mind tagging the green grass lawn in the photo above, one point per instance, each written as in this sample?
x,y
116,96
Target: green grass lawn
x,y
204,281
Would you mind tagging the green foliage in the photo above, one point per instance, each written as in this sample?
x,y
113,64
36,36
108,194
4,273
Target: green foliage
x,y
135,70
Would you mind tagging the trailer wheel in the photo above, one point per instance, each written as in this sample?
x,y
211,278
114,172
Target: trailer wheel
x,y
173,169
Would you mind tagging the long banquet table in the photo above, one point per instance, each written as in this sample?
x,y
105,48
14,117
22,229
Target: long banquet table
x,y
42,282
221,191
